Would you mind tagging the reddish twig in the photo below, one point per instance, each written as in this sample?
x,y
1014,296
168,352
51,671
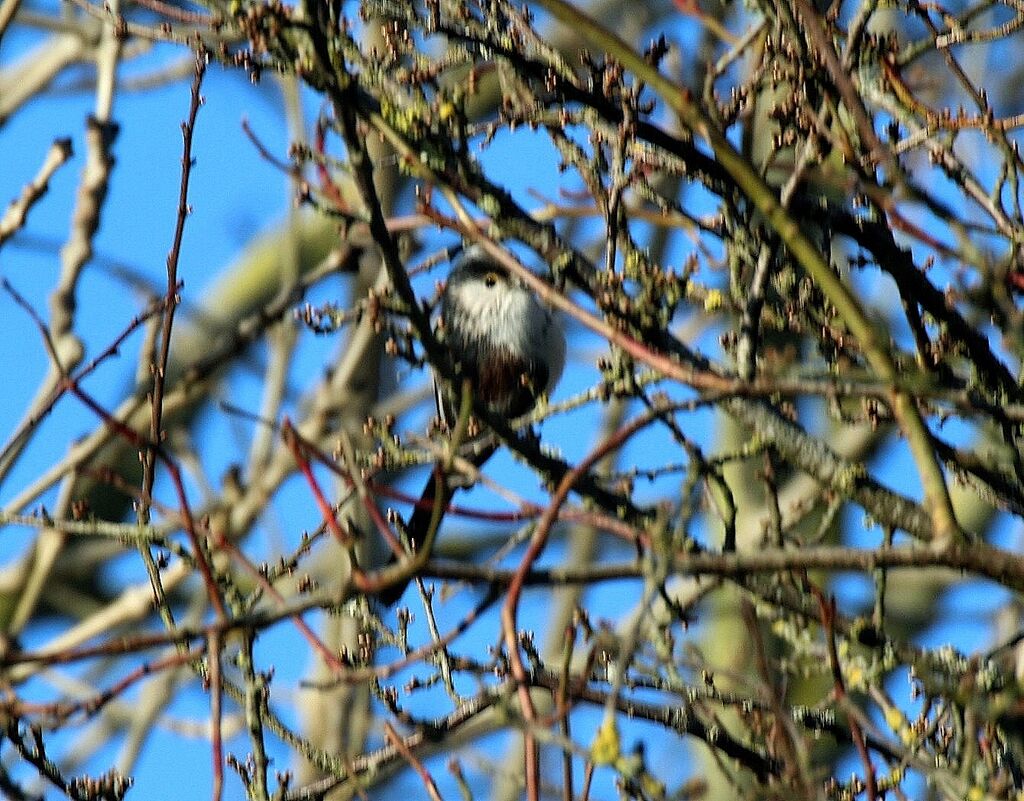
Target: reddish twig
x,y
291,170
386,671
407,754
51,347
527,509
510,608
172,298
327,184
827,609
258,576
47,406
588,776
188,522
294,443
216,716
161,357
129,645
686,374
365,582
62,710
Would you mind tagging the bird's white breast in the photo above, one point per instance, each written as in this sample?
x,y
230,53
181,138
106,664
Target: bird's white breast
x,y
509,316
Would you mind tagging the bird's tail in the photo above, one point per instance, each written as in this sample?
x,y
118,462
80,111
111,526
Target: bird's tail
x,y
422,514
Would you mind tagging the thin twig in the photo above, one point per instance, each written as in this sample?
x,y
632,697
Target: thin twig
x,y
17,212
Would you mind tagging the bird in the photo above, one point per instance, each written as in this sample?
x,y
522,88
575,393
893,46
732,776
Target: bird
x,y
506,343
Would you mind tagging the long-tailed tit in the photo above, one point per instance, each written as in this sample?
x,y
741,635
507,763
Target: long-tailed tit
x,y
506,343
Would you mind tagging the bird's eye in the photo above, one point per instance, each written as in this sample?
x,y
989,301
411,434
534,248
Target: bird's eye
x,y
491,279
